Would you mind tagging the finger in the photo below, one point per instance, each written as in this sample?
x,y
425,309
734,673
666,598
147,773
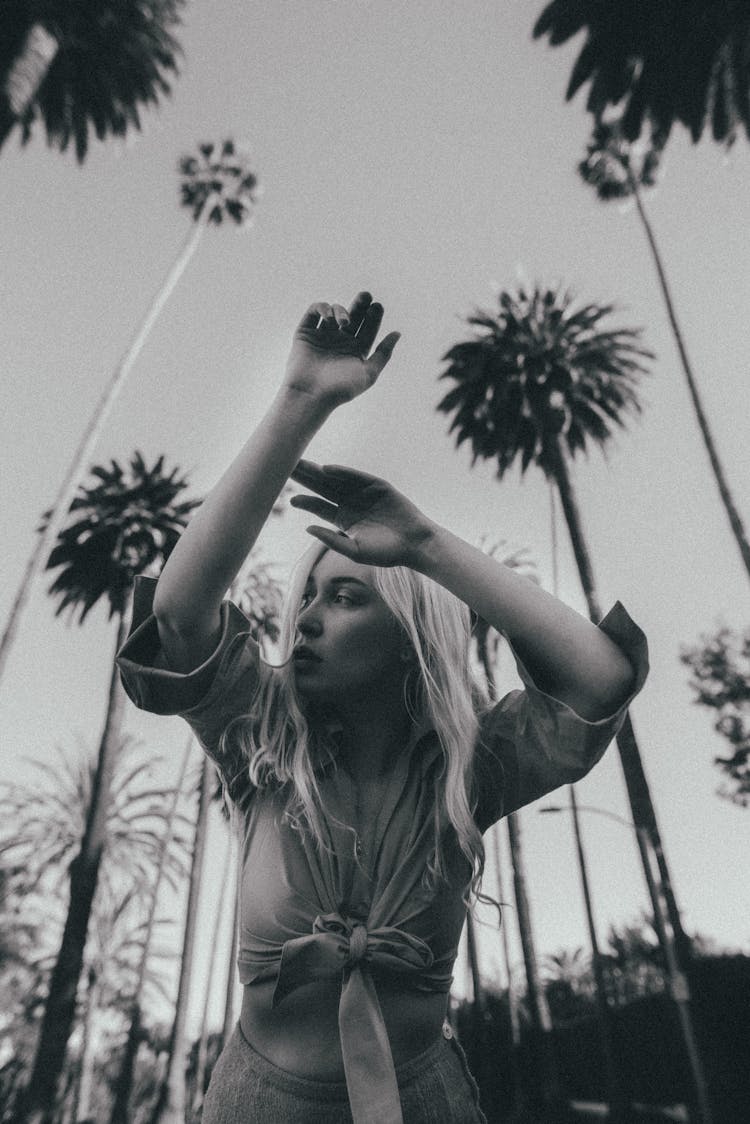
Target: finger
x,y
312,476
306,470
319,311
316,506
342,316
370,327
382,354
335,540
349,475
311,317
357,309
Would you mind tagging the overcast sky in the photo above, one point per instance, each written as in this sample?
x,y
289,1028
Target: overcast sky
x,y
423,151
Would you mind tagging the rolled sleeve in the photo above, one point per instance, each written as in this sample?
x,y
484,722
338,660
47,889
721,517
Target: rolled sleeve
x,y
209,697
531,742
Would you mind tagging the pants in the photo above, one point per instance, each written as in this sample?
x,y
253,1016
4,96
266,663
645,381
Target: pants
x,y
435,1088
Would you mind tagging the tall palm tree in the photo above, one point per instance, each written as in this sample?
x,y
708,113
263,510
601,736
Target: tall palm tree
x,y
78,66
202,1051
170,1104
539,382
217,184
619,170
486,641
124,1081
123,525
659,62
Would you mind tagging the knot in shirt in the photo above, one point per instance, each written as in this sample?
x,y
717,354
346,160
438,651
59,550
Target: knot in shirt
x,y
357,944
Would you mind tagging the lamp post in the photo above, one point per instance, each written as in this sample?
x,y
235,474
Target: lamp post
x,y
677,984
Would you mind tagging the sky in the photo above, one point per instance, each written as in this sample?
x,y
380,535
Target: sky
x,y
423,151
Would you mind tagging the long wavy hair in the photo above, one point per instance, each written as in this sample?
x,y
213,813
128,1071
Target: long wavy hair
x,y
285,744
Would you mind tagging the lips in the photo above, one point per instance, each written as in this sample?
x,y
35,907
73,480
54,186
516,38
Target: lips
x,y
305,655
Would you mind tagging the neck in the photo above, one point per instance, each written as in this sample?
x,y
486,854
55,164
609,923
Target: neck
x,y
374,735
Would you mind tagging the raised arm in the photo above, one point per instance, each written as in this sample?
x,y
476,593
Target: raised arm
x,y
330,363
568,656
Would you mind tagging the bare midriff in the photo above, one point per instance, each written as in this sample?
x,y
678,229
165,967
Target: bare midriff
x,y
301,1035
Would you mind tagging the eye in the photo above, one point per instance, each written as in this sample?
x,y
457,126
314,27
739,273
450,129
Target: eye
x,y
305,599
344,598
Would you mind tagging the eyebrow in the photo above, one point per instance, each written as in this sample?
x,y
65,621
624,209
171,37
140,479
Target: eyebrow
x,y
344,579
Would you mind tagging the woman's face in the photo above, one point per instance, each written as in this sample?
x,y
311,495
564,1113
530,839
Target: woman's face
x,y
350,643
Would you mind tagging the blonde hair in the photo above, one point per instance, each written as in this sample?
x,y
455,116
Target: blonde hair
x,y
286,746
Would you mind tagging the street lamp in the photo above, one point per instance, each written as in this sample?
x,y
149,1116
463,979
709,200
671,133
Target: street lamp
x,y
677,984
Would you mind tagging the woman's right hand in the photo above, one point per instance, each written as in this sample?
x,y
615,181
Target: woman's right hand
x,y
331,359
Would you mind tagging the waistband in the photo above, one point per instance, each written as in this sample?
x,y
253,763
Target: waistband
x,y
333,1092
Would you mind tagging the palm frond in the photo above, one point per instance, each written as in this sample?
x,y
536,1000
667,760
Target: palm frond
x,y
541,367
110,58
684,61
125,524
219,175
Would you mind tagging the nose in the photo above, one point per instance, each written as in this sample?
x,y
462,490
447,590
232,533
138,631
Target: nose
x,y
308,622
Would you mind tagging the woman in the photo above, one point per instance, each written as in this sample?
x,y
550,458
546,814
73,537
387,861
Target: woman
x,y
362,771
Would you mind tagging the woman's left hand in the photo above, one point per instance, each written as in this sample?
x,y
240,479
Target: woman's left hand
x,y
376,524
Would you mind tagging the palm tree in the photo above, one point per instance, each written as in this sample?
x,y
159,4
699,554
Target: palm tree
x,y
202,1046
43,820
170,1104
215,185
164,864
486,641
675,60
86,65
124,525
619,170
540,381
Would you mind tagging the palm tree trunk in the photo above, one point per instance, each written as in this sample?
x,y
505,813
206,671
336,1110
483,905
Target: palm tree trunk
x,y
479,1004
170,1103
82,1100
124,1083
540,1016
79,465
538,1009
537,1001
642,808
619,1106
515,1029
229,1019
735,520
643,812
200,1067
25,77
59,1013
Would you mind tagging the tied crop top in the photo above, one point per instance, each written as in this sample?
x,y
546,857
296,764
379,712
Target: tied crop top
x,y
307,913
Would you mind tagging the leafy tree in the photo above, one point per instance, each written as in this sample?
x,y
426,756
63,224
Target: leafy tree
x,y
619,170
540,380
633,962
659,61
123,525
83,64
721,681
569,985
215,185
